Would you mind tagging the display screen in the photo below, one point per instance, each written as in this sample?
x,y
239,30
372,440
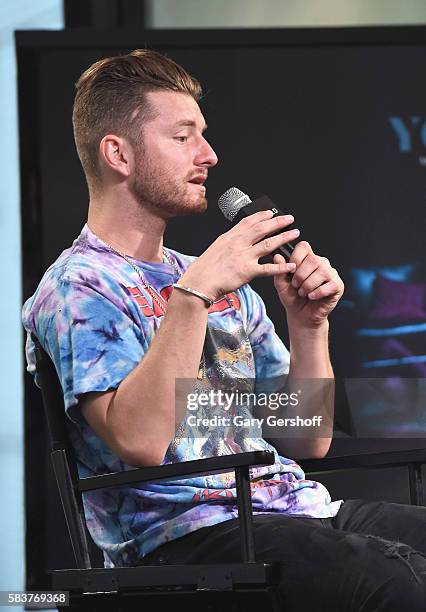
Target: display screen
x,y
334,135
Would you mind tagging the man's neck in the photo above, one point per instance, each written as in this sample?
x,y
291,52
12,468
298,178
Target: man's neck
x,y
127,228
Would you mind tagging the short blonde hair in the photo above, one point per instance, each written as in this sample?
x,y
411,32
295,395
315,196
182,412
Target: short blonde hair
x,y
110,98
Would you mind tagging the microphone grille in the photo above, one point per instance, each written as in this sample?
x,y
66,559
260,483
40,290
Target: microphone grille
x,y
232,201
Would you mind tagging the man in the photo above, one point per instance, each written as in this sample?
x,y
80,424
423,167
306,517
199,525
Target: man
x,y
123,318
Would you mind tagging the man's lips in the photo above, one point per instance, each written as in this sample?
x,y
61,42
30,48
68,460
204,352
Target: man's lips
x,y
199,179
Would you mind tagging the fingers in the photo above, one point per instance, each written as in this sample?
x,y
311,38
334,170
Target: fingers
x,y
258,225
275,269
250,231
307,265
270,269
269,226
252,220
314,277
272,243
312,272
315,280
300,253
332,288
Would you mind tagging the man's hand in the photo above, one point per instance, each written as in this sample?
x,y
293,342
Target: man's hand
x,y
233,258
313,291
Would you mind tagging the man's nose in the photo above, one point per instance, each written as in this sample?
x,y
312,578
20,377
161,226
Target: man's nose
x,y
207,157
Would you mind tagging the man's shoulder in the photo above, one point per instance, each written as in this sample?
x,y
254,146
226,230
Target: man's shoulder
x,y
77,264
80,265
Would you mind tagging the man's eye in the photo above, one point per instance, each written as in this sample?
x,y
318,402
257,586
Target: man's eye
x,y
181,138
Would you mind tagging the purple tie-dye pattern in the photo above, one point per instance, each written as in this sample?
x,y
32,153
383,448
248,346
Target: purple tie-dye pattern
x,y
93,327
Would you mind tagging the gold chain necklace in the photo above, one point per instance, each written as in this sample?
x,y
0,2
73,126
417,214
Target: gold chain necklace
x,y
150,289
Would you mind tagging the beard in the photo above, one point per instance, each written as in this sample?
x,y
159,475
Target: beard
x,y
162,190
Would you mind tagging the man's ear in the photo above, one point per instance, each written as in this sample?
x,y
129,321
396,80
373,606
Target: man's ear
x,y
116,154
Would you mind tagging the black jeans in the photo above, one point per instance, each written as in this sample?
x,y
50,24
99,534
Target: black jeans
x,y
370,557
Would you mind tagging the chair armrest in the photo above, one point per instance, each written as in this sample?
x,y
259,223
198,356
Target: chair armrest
x,y
389,459
202,467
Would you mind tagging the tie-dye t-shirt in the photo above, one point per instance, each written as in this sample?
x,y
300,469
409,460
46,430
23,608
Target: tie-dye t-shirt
x,y
96,321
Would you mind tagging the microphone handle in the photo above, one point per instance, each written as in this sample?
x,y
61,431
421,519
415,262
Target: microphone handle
x,y
265,203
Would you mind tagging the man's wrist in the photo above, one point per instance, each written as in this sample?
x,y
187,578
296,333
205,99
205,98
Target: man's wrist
x,y
309,353
308,333
190,303
201,296
195,282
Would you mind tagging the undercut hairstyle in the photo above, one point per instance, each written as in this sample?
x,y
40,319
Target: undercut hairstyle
x,y
111,99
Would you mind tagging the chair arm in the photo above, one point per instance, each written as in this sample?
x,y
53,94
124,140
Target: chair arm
x,y
364,460
202,467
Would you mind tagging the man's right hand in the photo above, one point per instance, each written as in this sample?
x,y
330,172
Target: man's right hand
x,y
232,260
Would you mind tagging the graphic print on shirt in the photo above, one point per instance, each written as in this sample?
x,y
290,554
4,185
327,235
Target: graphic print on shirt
x,y
231,300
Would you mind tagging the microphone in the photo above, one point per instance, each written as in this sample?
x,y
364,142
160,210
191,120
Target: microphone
x,y
235,205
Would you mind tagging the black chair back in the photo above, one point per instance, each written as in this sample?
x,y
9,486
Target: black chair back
x,y
60,451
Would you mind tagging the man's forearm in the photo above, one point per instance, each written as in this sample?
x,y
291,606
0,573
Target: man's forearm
x,y
142,413
311,378
310,357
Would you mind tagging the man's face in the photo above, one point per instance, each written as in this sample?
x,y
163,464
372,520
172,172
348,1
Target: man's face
x,y
173,159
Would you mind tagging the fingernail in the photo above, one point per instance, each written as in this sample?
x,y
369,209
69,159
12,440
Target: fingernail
x,y
301,293
295,232
291,266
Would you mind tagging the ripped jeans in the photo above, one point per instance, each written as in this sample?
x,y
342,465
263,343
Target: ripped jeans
x,y
370,557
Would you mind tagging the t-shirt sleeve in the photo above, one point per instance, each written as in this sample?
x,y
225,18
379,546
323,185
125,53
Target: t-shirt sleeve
x,y
272,359
92,339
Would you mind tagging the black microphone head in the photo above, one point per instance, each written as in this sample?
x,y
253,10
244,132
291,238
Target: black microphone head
x,y
232,201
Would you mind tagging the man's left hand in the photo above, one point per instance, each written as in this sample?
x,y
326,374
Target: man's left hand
x,y
314,289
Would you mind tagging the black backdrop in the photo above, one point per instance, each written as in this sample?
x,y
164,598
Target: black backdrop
x,y
304,116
